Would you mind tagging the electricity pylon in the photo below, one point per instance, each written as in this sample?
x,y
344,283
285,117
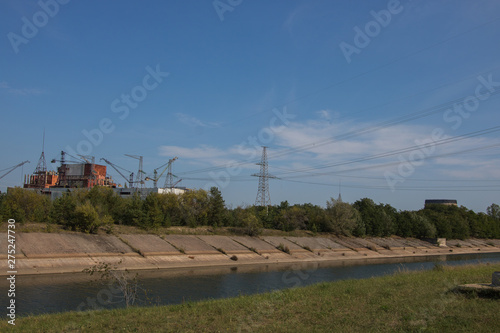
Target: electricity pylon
x,y
263,197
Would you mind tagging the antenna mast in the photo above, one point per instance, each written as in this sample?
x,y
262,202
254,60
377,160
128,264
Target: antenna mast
x,y
41,167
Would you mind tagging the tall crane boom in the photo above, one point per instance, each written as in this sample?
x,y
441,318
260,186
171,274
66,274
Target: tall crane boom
x,y
156,177
9,170
130,180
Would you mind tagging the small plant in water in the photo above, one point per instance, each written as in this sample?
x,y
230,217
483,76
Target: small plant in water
x,y
109,273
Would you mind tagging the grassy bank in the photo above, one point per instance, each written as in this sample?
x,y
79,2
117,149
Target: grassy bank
x,y
405,302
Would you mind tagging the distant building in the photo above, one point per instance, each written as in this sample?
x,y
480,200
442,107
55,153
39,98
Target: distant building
x,y
83,175
57,192
445,202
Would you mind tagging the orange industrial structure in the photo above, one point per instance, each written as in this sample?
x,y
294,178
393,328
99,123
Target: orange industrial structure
x,y
83,175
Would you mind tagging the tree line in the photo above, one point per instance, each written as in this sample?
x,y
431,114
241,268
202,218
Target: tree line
x,y
100,207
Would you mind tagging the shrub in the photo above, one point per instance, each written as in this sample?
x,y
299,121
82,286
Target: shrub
x,y
283,248
86,218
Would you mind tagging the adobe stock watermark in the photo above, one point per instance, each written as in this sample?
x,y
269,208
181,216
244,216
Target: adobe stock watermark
x,y
111,294
121,107
250,148
453,116
223,6
30,28
363,36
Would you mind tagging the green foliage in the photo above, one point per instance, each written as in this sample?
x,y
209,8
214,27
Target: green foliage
x,y
85,218
292,218
450,221
194,208
251,224
343,219
216,214
412,224
378,219
25,205
493,211
133,213
100,207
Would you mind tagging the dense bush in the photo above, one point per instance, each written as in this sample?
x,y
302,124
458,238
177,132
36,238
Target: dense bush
x,y
25,206
87,210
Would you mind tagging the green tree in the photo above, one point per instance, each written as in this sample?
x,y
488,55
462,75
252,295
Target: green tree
x,y
292,218
194,206
63,210
493,211
25,205
85,218
217,213
342,217
249,223
133,213
152,211
377,219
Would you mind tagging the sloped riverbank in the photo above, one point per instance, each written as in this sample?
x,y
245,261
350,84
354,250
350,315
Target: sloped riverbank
x,y
48,253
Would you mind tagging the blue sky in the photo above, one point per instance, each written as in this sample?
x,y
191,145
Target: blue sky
x,y
396,100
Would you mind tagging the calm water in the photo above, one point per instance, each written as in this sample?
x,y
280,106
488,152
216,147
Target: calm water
x,y
56,293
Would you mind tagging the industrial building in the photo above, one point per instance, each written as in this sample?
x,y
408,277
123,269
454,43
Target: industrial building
x,y
85,173
445,202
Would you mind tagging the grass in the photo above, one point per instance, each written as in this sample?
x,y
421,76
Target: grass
x,y
404,302
126,229
283,248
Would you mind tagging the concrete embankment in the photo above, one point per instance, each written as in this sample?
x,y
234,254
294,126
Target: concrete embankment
x,y
45,253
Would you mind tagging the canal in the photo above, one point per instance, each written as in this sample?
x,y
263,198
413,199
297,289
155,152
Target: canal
x,y
77,292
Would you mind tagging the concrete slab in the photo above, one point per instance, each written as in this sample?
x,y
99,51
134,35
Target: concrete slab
x,y
255,243
295,250
276,241
226,244
331,244
458,243
313,243
477,242
4,246
344,242
480,289
387,243
493,242
150,245
360,244
190,244
44,245
418,243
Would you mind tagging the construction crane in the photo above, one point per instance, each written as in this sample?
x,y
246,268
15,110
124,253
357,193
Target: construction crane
x,y
130,180
9,170
169,180
63,159
140,173
156,177
177,182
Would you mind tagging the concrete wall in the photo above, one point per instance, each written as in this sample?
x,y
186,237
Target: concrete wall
x,y
39,253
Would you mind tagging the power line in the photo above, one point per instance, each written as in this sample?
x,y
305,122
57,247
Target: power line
x,y
402,150
351,134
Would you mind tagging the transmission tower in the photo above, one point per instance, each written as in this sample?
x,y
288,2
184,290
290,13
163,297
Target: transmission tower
x,y
263,197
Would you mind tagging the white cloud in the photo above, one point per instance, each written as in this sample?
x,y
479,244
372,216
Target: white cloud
x,y
20,91
195,122
200,152
322,147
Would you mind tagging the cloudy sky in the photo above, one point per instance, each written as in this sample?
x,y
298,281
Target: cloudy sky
x,y
392,100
